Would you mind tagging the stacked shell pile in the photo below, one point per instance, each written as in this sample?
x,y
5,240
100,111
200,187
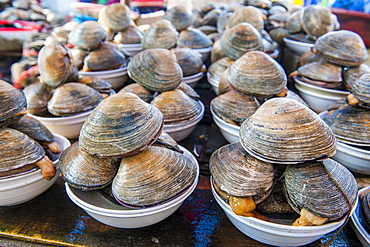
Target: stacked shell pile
x,y
25,143
284,145
122,148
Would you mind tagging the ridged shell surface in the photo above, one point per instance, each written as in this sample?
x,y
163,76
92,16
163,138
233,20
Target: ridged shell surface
x,y
120,125
33,128
217,68
38,95
132,35
115,16
152,176
316,20
258,74
106,57
161,34
325,188
321,74
240,174
155,69
85,171
180,16
188,90
193,38
189,60
293,24
283,130
350,75
248,14
87,35
139,90
361,88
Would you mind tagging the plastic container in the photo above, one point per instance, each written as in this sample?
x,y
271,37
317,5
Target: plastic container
x,y
229,131
116,77
355,221
25,187
113,214
297,47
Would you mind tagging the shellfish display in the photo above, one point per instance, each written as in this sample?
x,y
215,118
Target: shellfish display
x,y
162,34
87,35
180,16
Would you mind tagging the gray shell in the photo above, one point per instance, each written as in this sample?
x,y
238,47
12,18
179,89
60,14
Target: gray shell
x,y
361,89
115,16
350,75
139,90
33,128
161,34
180,17
247,14
132,35
316,20
38,95
193,38
189,60
87,35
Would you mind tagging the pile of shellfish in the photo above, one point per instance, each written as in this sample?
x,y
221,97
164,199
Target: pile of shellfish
x,y
285,145
122,148
25,142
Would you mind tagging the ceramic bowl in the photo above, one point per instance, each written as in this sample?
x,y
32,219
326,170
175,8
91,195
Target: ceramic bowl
x,y
113,214
26,186
133,49
229,131
297,47
192,80
116,77
205,52
355,221
180,131
214,83
318,98
273,233
68,127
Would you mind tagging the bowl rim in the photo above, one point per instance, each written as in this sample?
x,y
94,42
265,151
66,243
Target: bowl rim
x,y
191,121
120,70
203,49
218,119
194,76
355,218
62,117
125,212
302,83
295,42
315,94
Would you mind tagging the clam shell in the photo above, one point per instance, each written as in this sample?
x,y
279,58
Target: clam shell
x,y
55,64
224,85
322,74
85,171
18,152
217,68
193,38
33,128
316,20
132,35
350,75
309,57
78,55
121,124
155,69
180,16
38,95
73,98
216,52
293,24
365,210
258,74
161,34
152,176
115,16
240,174
325,188
240,39
222,20
283,130
249,14
176,106
12,103
139,90
351,125
211,17
188,90
343,47
189,60
234,107
87,35
361,88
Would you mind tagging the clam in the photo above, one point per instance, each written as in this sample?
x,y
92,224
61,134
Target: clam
x,y
323,190
365,210
20,153
263,4
106,57
360,91
155,69
55,64
240,39
217,68
224,85
189,60
316,20
321,74
293,24
180,16
211,17
193,38
115,17
120,125
283,130
350,75
258,74
217,52
234,107
176,106
242,177
87,35
188,90
222,20
139,90
161,34
13,104
309,57
98,84
85,171
343,47
351,125
73,98
249,14
132,35
152,176
38,96
78,55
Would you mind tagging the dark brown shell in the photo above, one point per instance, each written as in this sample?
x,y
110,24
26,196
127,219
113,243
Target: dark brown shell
x,y
33,128
115,16
240,174
85,171
120,125
161,34
293,24
87,35
283,130
13,104
189,60
180,16
325,188
321,74
193,38
38,95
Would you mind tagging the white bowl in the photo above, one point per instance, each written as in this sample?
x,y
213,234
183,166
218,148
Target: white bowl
x,y
22,188
111,213
229,131
68,127
192,80
318,98
273,233
214,83
297,47
180,131
133,49
355,221
116,77
205,52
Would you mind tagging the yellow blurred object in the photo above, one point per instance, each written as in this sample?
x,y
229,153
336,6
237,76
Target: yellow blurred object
x,y
298,2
